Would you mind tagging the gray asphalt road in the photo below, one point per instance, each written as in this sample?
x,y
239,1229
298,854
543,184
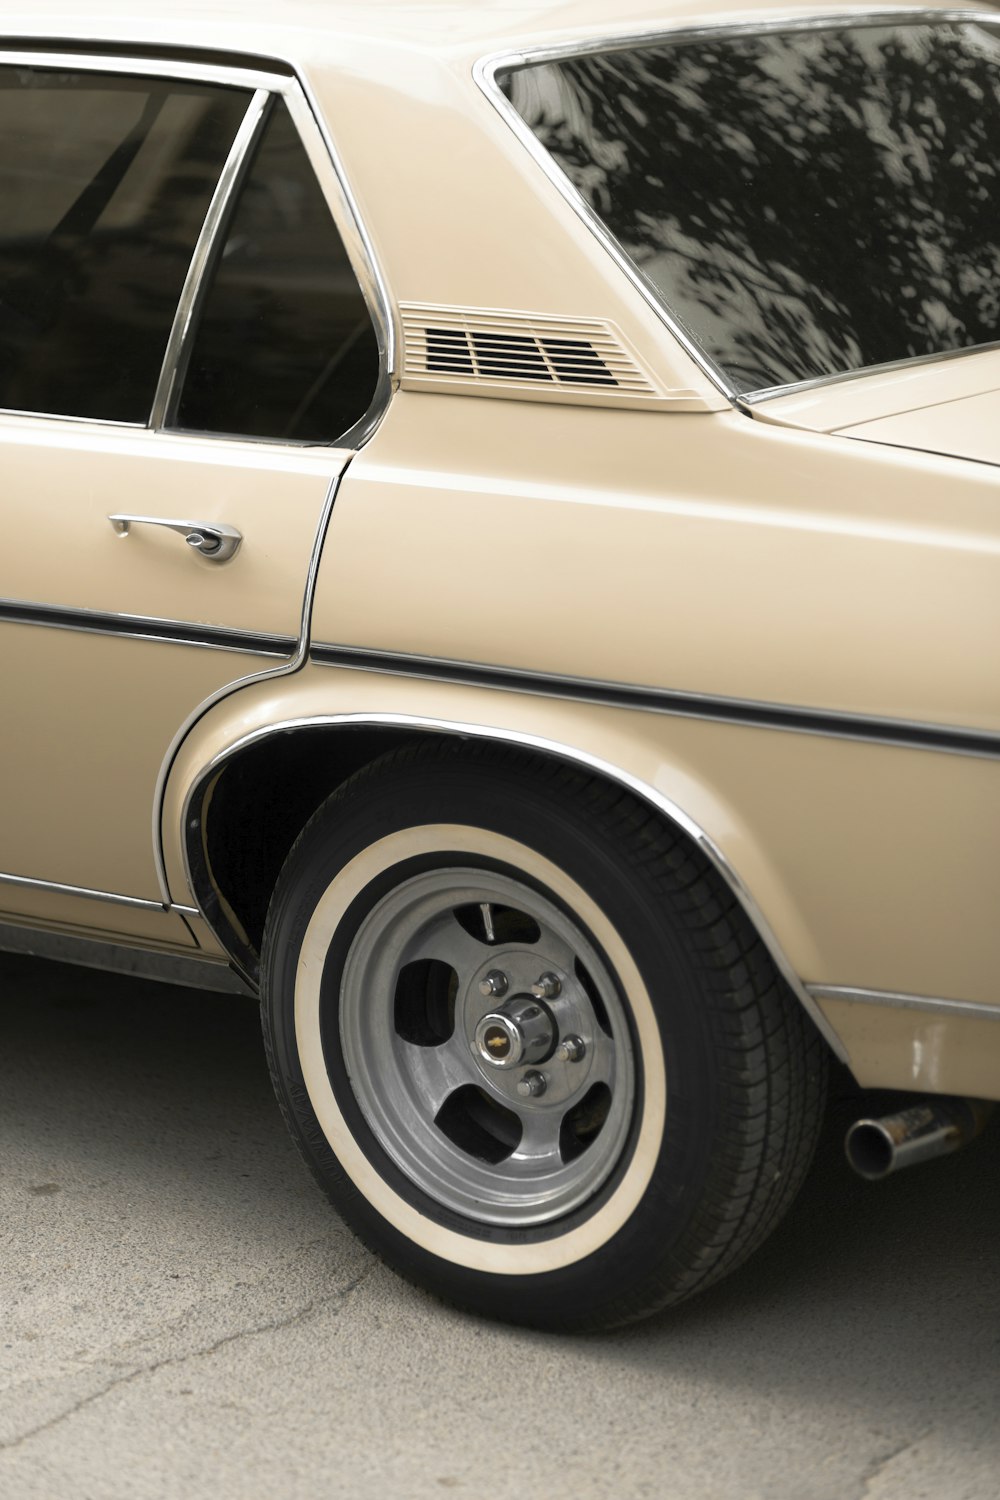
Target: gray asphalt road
x,y
183,1315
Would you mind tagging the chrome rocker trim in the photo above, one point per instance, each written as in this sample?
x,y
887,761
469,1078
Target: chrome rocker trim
x,y
111,898
194,971
898,1000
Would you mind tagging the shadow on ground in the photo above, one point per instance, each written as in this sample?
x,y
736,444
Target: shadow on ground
x,y
872,1309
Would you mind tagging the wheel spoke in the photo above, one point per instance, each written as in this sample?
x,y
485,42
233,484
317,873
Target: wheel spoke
x,y
436,1072
539,1144
602,1067
450,944
558,953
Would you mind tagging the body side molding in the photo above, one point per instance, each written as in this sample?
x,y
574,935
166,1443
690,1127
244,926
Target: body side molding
x,y
145,628
831,723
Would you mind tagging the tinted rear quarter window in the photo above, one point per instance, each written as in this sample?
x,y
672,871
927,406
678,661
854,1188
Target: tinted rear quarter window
x,y
285,348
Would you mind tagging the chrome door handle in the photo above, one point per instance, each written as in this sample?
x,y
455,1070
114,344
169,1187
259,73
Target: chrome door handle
x,y
212,539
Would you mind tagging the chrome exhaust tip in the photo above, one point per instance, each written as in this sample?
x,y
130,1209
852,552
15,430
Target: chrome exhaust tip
x,y
875,1148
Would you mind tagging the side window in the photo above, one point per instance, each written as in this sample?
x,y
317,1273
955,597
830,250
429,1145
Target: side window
x,y
105,182
284,346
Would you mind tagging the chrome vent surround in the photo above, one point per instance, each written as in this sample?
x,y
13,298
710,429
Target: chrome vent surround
x,y
486,351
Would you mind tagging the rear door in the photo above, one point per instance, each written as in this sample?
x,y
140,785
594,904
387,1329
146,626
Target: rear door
x,y
185,356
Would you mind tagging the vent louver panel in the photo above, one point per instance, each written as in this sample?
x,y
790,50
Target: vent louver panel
x,y
518,352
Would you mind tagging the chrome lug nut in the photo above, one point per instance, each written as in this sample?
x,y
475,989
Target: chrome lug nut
x,y
494,983
571,1049
547,988
531,1085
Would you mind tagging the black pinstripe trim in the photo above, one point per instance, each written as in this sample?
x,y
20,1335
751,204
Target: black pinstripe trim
x,y
143,627
829,724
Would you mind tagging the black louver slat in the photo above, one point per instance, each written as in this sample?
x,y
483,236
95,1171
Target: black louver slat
x,y
515,356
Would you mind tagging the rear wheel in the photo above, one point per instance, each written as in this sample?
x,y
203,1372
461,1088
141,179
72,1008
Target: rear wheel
x,y
528,1041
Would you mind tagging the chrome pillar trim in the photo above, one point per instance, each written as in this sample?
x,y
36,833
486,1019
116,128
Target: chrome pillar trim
x,y
178,350
294,662
575,756
486,70
363,257
485,73
933,1005
27,882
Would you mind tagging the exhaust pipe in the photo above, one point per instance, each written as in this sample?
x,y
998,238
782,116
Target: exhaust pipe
x,y
933,1128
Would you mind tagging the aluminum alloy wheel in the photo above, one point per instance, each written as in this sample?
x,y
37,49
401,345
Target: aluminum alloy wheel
x,y
420,976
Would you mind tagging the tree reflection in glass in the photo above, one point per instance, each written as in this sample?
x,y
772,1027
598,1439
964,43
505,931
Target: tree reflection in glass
x,y
806,202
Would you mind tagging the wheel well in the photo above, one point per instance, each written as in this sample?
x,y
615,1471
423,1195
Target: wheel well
x,y
245,817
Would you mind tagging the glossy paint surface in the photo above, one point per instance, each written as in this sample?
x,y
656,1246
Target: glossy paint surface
x,y
764,556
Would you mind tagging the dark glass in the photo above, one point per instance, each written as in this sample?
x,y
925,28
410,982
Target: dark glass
x,y
105,183
806,202
285,346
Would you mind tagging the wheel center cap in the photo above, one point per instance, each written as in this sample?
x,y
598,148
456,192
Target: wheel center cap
x,y
521,1031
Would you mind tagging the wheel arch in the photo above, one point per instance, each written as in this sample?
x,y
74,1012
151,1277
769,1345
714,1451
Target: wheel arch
x,y
311,755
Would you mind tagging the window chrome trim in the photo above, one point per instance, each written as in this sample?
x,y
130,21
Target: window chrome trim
x,y
63,416
802,387
485,73
743,712
330,172
360,250
141,64
196,282
899,1000
541,745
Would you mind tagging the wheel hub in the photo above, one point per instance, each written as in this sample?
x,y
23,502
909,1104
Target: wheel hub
x,y
487,1046
521,1031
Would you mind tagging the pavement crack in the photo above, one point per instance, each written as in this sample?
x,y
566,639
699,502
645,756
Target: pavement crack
x,y
876,1469
315,1304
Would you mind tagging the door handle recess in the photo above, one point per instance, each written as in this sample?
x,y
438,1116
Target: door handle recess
x,y
212,539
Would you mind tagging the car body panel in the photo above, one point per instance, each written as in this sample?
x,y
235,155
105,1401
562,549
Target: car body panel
x,y
818,834
808,622
702,554
70,685
968,427
838,405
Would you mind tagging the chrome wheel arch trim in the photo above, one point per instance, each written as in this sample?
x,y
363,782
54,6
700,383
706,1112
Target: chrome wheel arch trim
x,y
540,745
485,72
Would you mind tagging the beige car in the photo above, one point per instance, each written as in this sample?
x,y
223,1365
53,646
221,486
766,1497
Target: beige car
x,y
501,556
